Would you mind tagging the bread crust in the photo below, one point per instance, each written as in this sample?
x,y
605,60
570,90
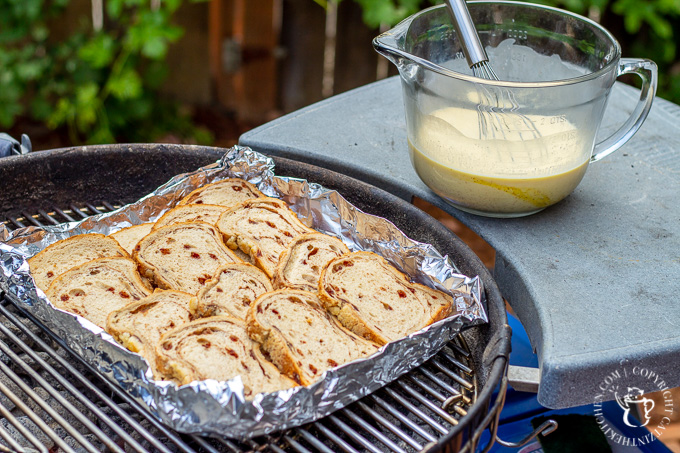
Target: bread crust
x,y
227,192
191,245
261,228
301,263
208,213
59,257
391,308
302,349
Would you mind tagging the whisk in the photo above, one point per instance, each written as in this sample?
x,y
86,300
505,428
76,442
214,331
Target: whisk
x,y
493,120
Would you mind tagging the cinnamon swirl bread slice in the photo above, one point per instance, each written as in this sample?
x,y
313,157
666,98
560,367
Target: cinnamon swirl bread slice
x,y
231,291
261,228
301,263
68,253
130,236
208,213
98,287
183,256
139,325
227,192
217,348
374,300
301,337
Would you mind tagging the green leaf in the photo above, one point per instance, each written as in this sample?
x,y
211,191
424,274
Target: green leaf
x,y
99,51
29,70
114,8
155,48
126,85
86,106
40,108
61,115
101,135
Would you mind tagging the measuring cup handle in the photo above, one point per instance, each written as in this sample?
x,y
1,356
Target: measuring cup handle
x,y
646,70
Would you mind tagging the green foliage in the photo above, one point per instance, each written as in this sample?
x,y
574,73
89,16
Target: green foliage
x,y
645,28
102,85
377,12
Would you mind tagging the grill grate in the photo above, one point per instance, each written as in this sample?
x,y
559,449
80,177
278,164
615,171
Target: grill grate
x,y
52,401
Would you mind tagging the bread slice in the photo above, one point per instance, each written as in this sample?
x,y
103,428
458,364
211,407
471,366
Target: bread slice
x,y
208,213
183,256
227,192
373,299
139,325
301,337
98,287
130,236
231,291
217,348
262,228
301,263
68,253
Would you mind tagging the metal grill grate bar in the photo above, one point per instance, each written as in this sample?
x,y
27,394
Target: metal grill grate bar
x,y
403,418
23,407
48,409
64,215
425,402
353,434
416,411
445,353
441,383
390,426
73,391
347,448
13,445
17,425
468,385
374,432
152,439
316,443
294,444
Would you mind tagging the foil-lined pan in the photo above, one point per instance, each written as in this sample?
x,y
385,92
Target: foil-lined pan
x,y
219,408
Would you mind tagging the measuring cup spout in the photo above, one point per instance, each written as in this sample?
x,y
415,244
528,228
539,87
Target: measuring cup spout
x,y
390,44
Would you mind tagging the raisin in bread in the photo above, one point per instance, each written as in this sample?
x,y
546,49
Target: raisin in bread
x,y
183,256
217,348
231,291
68,253
262,228
98,287
228,192
373,299
208,213
301,263
301,337
139,325
130,236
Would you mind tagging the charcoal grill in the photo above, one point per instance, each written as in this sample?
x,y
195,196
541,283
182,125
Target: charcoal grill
x,y
51,401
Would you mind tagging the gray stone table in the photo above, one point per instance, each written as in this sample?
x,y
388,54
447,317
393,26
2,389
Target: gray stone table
x,y
595,279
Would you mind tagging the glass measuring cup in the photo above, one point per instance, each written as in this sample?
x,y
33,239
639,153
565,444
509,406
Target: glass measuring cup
x,y
514,147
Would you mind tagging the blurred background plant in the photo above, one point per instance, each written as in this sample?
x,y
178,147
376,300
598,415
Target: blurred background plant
x,y
99,71
99,81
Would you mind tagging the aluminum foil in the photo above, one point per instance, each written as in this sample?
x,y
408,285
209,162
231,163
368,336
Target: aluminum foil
x,y
219,408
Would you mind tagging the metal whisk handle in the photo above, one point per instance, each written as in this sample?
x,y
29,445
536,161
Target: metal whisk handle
x,y
472,46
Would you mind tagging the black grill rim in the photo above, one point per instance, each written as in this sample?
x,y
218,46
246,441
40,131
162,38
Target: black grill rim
x,y
127,172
